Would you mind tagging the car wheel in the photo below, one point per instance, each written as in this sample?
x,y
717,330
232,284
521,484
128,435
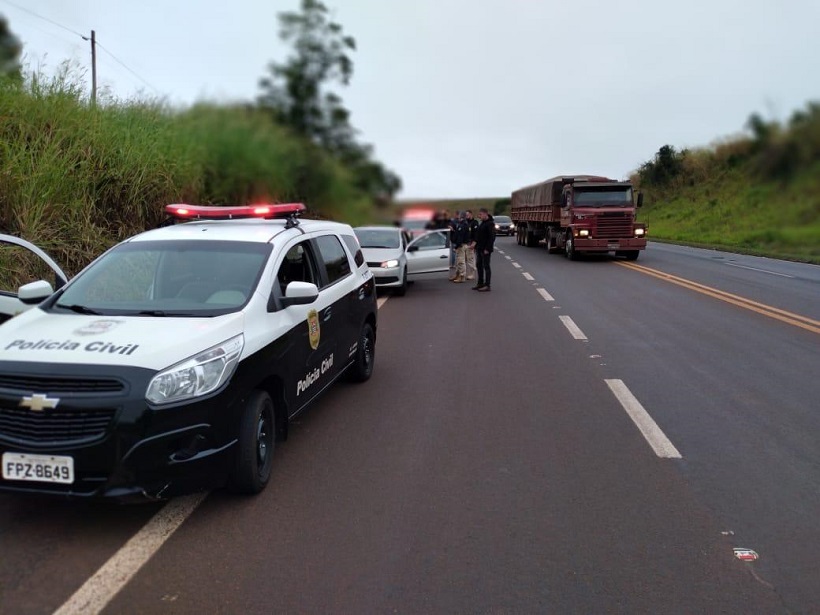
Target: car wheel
x,y
401,290
362,366
254,455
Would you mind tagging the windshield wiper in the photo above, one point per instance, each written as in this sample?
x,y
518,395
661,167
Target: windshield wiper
x,y
80,309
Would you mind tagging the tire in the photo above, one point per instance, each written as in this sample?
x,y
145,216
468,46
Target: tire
x,y
631,255
569,249
362,367
257,440
532,240
402,290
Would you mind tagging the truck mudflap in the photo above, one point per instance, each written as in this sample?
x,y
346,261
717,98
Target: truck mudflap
x,y
606,245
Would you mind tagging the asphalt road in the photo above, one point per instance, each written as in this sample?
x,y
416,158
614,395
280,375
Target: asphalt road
x,y
488,466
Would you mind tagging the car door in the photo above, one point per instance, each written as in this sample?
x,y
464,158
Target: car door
x,y
37,265
428,256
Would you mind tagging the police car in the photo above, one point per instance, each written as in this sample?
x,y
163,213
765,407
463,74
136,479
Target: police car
x,y
175,360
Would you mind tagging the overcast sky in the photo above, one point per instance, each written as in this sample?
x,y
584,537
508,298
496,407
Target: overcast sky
x,y
471,98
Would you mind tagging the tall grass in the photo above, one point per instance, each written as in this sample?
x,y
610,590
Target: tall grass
x,y
77,178
758,194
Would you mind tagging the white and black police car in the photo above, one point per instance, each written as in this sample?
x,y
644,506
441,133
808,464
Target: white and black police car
x,y
175,360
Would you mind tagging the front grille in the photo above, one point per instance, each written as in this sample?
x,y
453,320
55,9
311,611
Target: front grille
x,y
375,265
613,226
64,426
51,384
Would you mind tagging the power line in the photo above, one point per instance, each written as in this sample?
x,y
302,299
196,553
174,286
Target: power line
x,y
85,38
121,63
51,21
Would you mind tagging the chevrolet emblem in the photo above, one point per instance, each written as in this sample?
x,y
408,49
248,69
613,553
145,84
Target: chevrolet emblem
x,y
38,402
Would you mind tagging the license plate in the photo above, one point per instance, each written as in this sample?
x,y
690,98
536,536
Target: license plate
x,y
40,468
614,245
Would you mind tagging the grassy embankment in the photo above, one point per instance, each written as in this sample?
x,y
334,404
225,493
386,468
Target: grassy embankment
x,y
76,179
757,195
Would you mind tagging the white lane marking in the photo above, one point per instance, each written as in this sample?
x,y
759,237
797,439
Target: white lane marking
x,y
527,276
543,292
508,257
381,301
98,591
783,275
645,423
572,328
516,265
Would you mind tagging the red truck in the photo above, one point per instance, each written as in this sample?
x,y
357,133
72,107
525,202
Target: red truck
x,y
578,214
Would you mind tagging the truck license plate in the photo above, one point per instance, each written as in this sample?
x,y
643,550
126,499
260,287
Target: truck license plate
x,y
40,468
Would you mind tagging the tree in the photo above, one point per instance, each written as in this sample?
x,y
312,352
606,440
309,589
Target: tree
x,y
295,93
294,90
10,48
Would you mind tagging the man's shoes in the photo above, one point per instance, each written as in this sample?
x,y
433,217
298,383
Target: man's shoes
x,y
478,287
458,279
483,289
470,277
452,277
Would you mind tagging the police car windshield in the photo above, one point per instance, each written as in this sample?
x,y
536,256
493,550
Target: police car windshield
x,y
168,278
379,238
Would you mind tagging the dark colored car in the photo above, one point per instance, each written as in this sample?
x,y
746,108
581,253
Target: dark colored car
x,y
504,225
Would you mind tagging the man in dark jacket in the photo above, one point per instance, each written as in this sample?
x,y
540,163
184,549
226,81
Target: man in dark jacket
x,y
472,225
459,238
484,240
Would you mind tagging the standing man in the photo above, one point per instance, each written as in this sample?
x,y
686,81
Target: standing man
x,y
452,226
485,238
459,238
472,227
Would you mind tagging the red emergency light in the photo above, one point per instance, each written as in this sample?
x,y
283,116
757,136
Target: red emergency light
x,y
233,212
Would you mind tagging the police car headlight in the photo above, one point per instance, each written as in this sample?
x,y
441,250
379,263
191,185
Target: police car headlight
x,y
199,375
390,264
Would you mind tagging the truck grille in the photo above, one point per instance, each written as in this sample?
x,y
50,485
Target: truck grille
x,y
51,384
64,426
613,226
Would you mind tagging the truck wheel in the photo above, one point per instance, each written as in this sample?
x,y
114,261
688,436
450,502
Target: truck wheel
x,y
631,255
362,367
254,455
532,240
569,249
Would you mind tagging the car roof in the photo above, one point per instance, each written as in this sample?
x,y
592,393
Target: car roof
x,y
251,229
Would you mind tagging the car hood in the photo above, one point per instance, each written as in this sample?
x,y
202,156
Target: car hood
x,y
381,254
149,342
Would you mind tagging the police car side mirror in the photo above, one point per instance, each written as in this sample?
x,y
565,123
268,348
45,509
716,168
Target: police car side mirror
x,y
300,293
34,292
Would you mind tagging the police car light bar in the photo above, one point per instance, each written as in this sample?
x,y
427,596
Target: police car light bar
x,y
232,212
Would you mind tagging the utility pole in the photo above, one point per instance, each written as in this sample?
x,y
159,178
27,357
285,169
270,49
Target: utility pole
x,y
93,68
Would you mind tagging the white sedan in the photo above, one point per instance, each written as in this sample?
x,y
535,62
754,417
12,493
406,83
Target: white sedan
x,y
395,260
16,250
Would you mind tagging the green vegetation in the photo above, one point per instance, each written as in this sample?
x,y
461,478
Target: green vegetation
x,y
757,194
75,179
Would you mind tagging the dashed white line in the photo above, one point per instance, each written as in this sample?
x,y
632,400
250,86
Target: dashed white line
x,y
572,328
508,257
543,292
527,276
645,423
381,301
784,275
98,591
516,265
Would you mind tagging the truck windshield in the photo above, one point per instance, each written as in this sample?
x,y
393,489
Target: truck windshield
x,y
602,197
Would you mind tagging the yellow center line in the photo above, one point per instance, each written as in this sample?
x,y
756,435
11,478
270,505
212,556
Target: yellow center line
x,y
797,320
